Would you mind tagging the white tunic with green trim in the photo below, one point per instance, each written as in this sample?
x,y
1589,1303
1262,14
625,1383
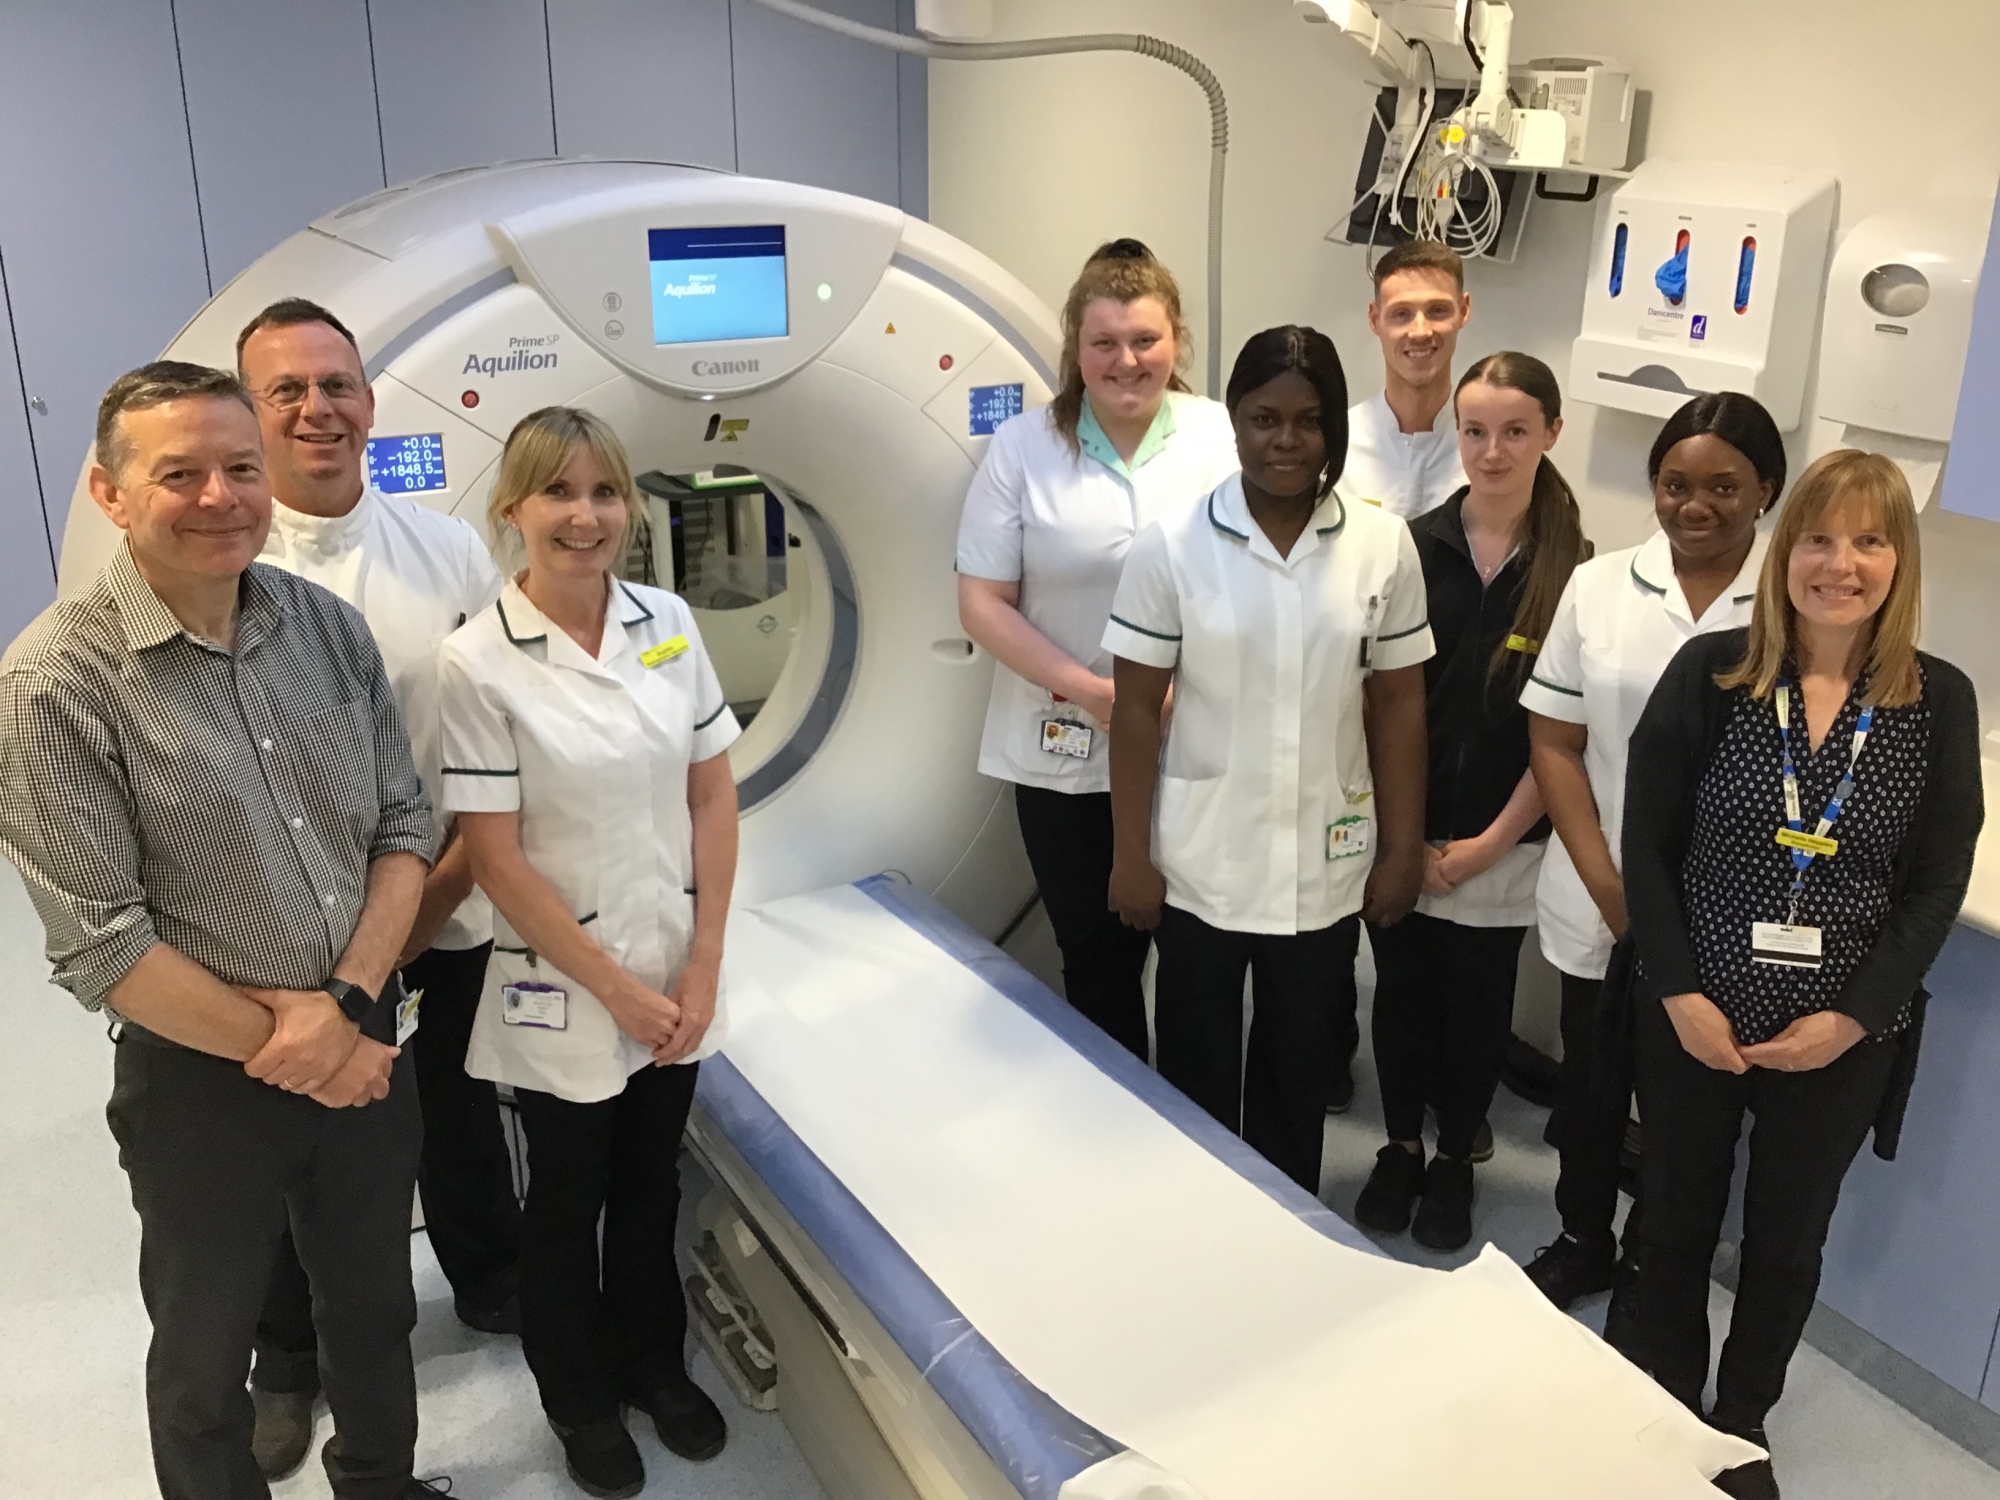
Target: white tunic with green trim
x,y
1265,816
1620,621
593,752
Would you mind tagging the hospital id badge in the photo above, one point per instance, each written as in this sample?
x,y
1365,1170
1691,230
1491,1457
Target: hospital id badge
x,y
531,1003
1067,737
406,1015
1348,837
1781,943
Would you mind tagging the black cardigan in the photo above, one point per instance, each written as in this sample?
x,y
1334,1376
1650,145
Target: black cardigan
x,y
1671,748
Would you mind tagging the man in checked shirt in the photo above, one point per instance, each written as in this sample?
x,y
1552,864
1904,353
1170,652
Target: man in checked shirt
x,y
207,787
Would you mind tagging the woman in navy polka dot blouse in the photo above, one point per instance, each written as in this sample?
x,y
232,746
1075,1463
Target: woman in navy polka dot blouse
x,y
1802,801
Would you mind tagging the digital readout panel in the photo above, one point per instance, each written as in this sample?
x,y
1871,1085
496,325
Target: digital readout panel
x,y
718,284
994,404
410,463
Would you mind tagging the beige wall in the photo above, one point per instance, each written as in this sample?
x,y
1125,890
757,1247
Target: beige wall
x,y
1036,161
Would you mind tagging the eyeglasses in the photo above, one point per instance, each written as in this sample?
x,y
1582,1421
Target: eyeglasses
x,y
287,395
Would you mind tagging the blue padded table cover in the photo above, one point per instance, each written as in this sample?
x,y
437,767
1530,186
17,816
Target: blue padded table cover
x,y
1034,1442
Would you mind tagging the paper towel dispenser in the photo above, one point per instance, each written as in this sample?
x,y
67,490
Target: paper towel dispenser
x,y
1705,277
1899,306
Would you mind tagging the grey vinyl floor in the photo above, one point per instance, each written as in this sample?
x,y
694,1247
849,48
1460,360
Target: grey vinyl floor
x,y
73,1333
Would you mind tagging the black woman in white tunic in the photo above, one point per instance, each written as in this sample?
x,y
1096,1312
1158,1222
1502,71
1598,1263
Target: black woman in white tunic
x,y
584,754
1717,465
1291,627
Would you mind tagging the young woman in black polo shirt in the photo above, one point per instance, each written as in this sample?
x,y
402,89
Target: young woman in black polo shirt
x,y
1496,556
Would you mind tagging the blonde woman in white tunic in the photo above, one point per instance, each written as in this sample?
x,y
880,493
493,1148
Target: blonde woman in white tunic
x,y
584,754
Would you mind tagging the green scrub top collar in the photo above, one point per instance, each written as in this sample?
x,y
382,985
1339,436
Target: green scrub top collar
x,y
1091,439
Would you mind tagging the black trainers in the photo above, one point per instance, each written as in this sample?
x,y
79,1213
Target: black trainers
x,y
1751,1481
1566,1273
686,1420
1621,1318
1482,1143
504,1319
1444,1222
1340,1099
602,1458
425,1489
284,1429
1392,1191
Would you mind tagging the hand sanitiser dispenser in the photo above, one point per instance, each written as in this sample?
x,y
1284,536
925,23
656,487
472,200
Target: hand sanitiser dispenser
x,y
1705,277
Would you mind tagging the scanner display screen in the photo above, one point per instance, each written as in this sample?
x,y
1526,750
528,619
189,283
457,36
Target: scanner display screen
x,y
718,284
409,464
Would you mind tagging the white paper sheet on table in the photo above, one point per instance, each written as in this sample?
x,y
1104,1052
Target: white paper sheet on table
x,y
1144,1285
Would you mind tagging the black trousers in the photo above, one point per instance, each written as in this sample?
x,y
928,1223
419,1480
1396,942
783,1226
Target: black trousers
x,y
1276,1098
1589,1138
595,1332
470,1211
1806,1130
219,1165
1444,1008
1068,835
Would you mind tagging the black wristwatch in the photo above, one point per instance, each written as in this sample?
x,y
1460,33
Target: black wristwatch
x,y
355,1003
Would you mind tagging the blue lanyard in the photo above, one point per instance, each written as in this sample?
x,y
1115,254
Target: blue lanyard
x,y
1802,858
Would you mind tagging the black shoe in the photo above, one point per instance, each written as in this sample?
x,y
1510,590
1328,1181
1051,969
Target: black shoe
x,y
1444,1222
1751,1481
1340,1099
1392,1191
284,1430
602,1458
1482,1143
425,1489
686,1420
1621,1318
504,1319
1566,1273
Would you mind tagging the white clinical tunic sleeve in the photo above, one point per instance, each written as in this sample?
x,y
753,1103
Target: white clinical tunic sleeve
x,y
1145,623
1058,522
1265,819
593,753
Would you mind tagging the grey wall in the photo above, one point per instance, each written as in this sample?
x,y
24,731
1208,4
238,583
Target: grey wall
x,y
151,149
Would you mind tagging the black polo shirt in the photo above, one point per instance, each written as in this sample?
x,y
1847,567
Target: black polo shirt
x,y
1477,729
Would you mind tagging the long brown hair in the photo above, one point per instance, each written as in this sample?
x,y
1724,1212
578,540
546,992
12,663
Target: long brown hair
x,y
1123,271
1552,541
1891,664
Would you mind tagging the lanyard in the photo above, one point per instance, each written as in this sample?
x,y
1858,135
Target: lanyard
x,y
1802,858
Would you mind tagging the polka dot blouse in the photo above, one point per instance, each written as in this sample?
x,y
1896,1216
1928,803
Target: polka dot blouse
x,y
1736,873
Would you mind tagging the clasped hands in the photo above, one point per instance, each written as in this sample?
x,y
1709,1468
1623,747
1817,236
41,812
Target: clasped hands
x,y
316,1051
669,1026
1808,1043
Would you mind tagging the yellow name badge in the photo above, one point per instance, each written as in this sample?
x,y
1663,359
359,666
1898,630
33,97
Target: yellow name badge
x,y
1523,643
652,656
1811,843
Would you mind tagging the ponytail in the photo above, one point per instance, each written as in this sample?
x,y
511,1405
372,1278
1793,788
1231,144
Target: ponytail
x,y
1552,545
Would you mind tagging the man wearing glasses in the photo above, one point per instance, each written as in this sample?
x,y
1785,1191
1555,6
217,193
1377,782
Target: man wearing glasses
x,y
415,575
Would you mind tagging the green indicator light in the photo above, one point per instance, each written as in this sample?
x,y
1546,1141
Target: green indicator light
x,y
825,292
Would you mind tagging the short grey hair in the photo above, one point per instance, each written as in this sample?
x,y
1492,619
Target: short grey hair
x,y
156,384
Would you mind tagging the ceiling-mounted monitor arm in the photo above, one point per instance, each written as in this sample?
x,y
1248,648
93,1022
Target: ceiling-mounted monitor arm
x,y
1145,46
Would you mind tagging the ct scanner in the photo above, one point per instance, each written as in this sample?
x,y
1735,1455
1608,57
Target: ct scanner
x,y
994,1255
850,357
